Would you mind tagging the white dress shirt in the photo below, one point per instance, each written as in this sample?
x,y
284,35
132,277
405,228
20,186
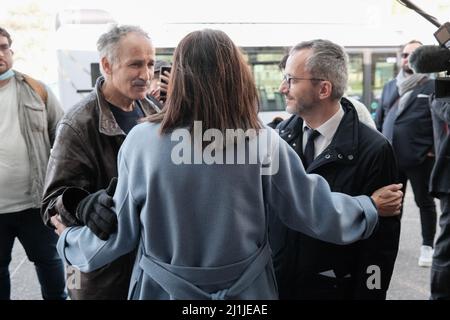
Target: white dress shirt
x,y
326,130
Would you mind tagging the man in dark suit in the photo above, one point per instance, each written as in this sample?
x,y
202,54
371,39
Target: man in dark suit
x,y
404,118
440,188
354,159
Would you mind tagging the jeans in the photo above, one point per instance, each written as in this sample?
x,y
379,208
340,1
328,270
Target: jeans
x,y
39,243
440,269
419,177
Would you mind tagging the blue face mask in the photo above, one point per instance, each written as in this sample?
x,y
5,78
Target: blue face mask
x,y
8,74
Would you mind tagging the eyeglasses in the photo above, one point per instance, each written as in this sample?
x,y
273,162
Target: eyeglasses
x,y
4,47
288,79
405,55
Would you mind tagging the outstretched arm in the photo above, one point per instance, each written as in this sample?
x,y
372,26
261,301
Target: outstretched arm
x,y
304,202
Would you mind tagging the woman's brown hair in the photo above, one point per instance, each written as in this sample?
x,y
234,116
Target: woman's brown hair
x,y
210,82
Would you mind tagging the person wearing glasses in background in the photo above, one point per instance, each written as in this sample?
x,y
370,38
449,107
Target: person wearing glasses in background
x,y
326,133
404,117
30,113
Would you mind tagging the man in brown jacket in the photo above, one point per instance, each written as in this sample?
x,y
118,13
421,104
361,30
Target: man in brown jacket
x,y
84,157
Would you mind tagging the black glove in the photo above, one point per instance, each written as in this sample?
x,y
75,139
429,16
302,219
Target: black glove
x,y
95,211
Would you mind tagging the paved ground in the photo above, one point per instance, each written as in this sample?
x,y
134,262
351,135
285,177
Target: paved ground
x,y
410,282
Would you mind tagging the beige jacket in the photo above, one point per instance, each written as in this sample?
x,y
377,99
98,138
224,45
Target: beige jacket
x,y
38,125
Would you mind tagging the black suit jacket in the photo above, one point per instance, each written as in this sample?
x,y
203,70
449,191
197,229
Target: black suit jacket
x,y
389,96
358,161
440,176
412,128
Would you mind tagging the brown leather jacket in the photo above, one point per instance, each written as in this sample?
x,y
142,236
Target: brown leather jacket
x,y
84,156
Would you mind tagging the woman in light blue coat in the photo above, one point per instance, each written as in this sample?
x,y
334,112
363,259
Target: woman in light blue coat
x,y
198,181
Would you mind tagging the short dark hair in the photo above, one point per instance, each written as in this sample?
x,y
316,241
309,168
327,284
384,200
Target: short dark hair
x,y
6,34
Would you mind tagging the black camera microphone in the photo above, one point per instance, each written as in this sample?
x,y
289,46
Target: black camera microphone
x,y
430,59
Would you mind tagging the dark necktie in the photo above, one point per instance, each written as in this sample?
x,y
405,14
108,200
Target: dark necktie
x,y
308,154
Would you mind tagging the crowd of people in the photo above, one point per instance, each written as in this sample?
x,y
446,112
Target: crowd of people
x,y
167,185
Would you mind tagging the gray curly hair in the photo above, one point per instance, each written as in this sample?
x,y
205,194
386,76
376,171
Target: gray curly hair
x,y
107,44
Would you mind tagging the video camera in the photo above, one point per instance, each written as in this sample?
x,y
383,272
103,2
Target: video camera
x,y
433,59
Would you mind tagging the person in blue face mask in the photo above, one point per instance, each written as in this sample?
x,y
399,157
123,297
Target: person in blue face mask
x,y
30,113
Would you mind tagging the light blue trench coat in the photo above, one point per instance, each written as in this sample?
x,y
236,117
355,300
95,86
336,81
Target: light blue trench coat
x,y
200,229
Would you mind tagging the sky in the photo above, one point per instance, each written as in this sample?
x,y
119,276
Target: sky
x,y
236,10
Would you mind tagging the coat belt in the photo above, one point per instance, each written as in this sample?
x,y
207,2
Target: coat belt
x,y
183,282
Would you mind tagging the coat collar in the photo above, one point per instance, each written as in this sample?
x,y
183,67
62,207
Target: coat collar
x,y
107,123
344,146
